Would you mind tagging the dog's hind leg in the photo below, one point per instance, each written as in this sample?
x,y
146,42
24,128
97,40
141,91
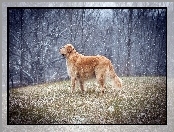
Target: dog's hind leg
x,y
101,81
116,81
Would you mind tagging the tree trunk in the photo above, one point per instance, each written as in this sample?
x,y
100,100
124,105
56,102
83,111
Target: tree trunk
x,y
21,50
129,43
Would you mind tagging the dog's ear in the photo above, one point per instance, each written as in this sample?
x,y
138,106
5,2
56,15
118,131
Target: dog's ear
x,y
69,49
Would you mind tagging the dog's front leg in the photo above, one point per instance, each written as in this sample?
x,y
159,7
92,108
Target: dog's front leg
x,y
72,84
81,85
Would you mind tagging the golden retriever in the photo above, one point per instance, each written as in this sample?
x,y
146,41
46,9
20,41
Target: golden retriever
x,y
81,68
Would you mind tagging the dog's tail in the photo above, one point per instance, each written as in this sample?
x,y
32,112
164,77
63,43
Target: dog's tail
x,y
113,76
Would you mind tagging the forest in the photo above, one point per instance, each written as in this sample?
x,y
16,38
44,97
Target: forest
x,y
134,39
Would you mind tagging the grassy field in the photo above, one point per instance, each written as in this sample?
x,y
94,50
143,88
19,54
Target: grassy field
x,y
142,100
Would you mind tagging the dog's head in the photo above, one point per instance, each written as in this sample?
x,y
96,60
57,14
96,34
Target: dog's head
x,y
67,50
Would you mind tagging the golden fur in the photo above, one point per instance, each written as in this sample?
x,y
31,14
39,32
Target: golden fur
x,y
81,68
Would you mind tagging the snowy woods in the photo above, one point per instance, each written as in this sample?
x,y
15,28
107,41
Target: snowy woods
x,y
135,40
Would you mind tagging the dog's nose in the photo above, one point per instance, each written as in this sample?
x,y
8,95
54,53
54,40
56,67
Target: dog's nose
x,y
60,48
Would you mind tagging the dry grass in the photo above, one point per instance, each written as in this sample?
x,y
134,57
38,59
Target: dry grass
x,y
141,101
